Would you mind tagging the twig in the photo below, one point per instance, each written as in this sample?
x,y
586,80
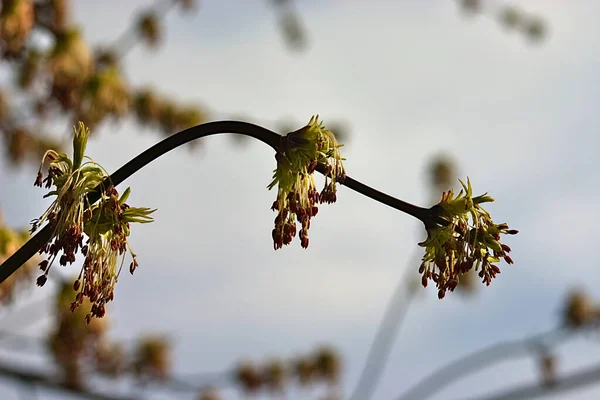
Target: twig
x,y
475,362
25,252
130,36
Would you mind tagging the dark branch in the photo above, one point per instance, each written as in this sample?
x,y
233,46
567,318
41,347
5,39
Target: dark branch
x,y
23,254
475,362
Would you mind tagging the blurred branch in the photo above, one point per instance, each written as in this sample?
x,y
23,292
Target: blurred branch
x,y
575,381
290,25
130,37
37,378
198,381
26,314
510,16
475,362
389,327
19,341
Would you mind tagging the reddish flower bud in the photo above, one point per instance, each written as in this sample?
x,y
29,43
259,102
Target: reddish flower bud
x,y
43,265
131,268
38,180
452,284
41,280
304,242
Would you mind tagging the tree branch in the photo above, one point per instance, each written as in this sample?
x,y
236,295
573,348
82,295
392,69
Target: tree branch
x,y
25,252
36,378
475,362
576,380
389,326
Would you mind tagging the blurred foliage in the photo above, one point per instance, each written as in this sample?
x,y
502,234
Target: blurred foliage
x,y
509,16
580,310
442,174
10,241
321,366
66,78
81,349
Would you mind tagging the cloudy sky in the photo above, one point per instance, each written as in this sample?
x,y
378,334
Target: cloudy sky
x,y
411,79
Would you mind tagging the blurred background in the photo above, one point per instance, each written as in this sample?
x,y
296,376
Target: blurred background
x,y
420,92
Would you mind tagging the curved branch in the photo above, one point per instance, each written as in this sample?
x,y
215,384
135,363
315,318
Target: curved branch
x,y
478,360
25,252
577,380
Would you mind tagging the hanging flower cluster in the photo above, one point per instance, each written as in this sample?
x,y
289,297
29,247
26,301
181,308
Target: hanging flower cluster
x,y
106,224
297,158
470,240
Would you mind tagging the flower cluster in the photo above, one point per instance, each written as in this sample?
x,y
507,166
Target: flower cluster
x,y
106,224
297,158
470,240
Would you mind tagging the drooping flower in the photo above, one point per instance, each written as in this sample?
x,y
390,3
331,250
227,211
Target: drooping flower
x,y
470,240
297,158
105,223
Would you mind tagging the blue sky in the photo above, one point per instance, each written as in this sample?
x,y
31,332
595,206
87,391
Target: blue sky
x,y
412,79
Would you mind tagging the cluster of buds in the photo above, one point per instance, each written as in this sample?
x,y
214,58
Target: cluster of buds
x,y
321,366
471,240
70,64
152,359
580,310
106,224
297,158
157,111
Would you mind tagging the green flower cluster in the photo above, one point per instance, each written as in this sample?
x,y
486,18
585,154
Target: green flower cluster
x,y
106,223
298,156
470,240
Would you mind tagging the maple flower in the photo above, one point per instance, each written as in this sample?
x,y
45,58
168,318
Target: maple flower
x,y
470,240
106,223
297,158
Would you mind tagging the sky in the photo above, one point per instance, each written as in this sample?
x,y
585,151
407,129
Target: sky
x,y
411,80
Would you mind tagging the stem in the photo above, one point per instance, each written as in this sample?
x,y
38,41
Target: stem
x,y
25,252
